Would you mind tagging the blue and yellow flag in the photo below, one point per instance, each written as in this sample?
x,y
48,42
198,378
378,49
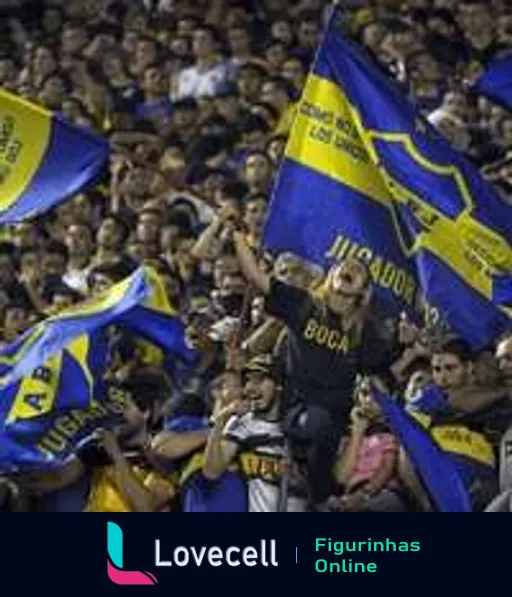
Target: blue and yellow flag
x,y
42,414
48,415
364,175
496,82
53,394
436,470
139,303
43,159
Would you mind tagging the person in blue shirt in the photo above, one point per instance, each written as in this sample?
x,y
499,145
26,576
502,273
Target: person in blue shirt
x,y
464,417
156,106
182,443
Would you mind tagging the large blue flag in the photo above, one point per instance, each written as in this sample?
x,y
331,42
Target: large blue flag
x,y
43,159
364,175
44,415
139,303
496,82
52,388
437,472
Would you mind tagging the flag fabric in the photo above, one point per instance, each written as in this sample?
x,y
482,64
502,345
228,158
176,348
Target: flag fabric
x,y
43,159
365,175
139,303
53,393
438,473
496,82
44,414
48,439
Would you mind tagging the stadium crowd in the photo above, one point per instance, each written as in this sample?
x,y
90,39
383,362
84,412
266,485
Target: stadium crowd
x,y
196,98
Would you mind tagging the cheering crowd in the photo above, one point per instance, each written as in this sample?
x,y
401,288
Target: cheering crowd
x,y
197,98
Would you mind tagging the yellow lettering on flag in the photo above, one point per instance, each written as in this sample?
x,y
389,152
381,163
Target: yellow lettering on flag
x,y
472,250
36,393
24,136
325,139
458,439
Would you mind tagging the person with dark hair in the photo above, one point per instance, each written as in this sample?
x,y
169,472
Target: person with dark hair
x,y
444,38
466,412
149,222
227,104
331,338
185,118
366,467
258,172
275,54
31,274
475,19
279,93
147,51
308,36
266,111
451,365
54,259
250,429
74,38
252,134
294,71
281,29
16,318
57,296
255,210
155,106
426,80
249,80
103,277
240,47
183,440
53,90
44,63
110,239
79,243
209,71
115,69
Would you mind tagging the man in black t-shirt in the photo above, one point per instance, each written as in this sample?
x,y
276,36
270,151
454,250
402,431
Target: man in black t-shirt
x,y
331,339
322,357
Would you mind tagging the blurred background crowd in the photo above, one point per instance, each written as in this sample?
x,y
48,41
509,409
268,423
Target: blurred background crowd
x,y
196,98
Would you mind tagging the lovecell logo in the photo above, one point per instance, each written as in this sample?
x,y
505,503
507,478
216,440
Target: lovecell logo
x,y
115,561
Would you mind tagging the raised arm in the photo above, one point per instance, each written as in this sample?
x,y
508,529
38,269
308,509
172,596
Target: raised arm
x,y
174,445
249,265
264,338
219,451
203,244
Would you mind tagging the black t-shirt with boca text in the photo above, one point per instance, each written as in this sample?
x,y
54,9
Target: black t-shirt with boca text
x,y
322,362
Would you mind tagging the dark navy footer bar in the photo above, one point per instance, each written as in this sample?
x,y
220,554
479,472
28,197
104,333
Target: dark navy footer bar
x,y
399,553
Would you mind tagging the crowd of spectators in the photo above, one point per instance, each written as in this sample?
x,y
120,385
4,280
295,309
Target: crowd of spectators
x,y
197,98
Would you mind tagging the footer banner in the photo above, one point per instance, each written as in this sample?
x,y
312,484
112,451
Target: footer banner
x,y
276,554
